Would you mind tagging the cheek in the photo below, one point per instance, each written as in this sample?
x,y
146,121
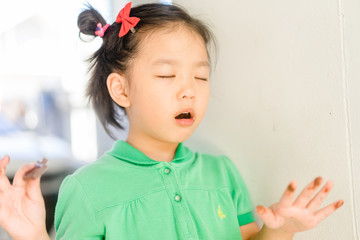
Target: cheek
x,y
141,95
149,104
204,96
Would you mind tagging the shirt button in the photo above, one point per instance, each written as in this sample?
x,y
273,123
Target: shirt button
x,y
167,170
177,198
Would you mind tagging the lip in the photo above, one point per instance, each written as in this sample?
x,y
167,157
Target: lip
x,y
185,122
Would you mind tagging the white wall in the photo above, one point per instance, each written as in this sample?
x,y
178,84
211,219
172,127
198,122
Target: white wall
x,y
285,99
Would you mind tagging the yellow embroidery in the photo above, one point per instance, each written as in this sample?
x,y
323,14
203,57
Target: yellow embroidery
x,y
221,215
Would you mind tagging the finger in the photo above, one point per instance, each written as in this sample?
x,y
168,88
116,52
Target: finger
x,y
267,216
328,210
319,198
4,162
19,176
288,196
306,194
4,181
33,189
33,177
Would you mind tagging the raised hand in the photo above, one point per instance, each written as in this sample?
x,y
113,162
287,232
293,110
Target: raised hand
x,y
303,213
22,208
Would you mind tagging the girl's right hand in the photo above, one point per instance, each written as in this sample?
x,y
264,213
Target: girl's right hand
x,y
22,208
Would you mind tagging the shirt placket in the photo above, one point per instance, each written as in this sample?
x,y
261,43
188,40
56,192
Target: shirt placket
x,y
177,200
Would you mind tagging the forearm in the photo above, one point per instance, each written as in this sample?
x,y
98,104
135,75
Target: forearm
x,y
271,234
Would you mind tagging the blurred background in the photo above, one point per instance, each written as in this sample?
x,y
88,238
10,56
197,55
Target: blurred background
x,y
43,76
284,103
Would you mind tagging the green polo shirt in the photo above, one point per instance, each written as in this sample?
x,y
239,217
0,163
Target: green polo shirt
x,y
126,196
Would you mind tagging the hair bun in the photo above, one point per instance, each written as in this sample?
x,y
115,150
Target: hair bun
x,y
88,20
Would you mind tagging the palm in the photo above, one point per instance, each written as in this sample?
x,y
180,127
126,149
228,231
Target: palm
x,y
22,208
301,214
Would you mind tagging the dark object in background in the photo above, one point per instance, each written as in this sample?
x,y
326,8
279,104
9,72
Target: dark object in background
x,y
38,170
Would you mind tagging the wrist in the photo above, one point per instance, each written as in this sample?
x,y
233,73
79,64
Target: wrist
x,y
43,235
277,233
40,236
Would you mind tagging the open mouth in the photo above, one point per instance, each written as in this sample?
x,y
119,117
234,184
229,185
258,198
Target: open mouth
x,y
184,115
185,118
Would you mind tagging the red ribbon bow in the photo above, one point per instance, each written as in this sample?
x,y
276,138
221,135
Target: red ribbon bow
x,y
127,21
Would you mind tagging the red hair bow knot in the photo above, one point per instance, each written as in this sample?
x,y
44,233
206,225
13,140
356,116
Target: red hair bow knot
x,y
127,22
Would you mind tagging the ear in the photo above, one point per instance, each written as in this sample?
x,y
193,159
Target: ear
x,y
118,89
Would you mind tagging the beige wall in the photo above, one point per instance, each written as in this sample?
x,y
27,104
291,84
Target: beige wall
x,y
285,99
351,33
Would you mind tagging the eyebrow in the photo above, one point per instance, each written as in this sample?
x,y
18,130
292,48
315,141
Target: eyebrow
x,y
162,61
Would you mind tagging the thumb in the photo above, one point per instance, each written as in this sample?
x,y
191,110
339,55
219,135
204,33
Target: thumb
x,y
33,189
267,216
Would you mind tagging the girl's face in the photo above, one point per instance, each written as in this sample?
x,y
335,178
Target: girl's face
x,y
168,87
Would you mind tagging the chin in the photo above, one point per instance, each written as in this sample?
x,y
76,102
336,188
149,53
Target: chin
x,y
182,137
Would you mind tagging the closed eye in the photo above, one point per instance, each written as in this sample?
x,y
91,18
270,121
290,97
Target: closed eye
x,y
166,76
199,78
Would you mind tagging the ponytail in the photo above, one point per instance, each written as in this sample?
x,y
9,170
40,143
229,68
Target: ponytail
x,y
100,67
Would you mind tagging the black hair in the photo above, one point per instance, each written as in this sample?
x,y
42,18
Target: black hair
x,y
115,54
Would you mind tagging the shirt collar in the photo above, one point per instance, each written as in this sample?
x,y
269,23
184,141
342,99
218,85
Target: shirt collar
x,y
124,151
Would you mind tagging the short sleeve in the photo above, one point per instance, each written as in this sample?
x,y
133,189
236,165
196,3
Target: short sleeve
x,y
240,195
74,216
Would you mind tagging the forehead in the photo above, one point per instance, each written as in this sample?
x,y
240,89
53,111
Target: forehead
x,y
176,44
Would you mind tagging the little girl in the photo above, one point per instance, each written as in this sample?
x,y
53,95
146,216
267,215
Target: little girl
x,y
154,66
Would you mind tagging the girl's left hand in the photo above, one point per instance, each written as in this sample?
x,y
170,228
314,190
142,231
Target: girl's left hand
x,y
303,213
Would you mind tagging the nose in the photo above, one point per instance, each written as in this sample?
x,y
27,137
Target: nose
x,y
187,91
188,94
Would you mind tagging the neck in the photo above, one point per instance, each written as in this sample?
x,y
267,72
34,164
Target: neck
x,y
156,150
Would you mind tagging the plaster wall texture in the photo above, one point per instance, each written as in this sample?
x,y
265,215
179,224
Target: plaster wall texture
x,y
285,102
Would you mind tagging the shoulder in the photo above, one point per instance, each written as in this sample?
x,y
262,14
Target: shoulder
x,y
215,169
94,179
89,173
219,162
225,170
96,168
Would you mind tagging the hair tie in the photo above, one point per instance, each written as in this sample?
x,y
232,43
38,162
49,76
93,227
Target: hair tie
x,y
128,23
100,30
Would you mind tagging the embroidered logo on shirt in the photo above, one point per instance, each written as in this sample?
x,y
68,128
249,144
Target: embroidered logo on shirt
x,y
221,215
